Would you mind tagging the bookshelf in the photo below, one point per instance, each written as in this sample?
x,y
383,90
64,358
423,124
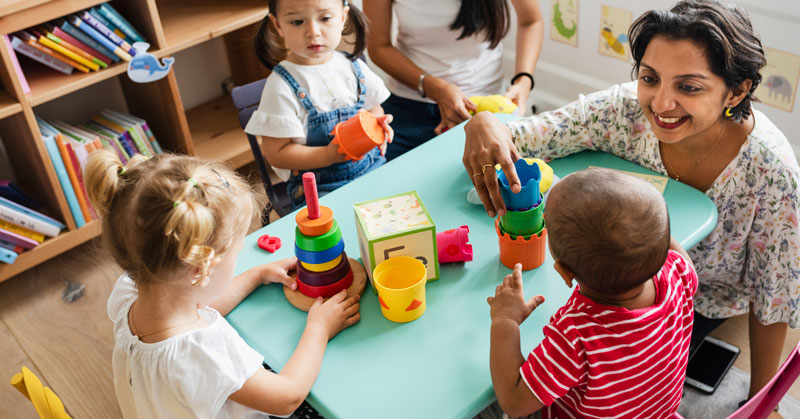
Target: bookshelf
x,y
210,129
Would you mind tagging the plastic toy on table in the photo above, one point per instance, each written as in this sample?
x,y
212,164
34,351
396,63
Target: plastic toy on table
x,y
358,135
452,245
493,104
323,268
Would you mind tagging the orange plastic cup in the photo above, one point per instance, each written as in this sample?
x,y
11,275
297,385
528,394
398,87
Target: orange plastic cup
x,y
530,253
358,135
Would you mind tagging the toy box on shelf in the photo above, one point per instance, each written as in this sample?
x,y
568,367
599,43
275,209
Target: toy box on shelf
x,y
397,225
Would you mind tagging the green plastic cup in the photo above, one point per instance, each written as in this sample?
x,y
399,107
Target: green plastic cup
x,y
524,223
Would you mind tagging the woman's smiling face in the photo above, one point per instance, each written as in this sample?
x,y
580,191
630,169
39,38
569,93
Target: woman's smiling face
x,y
679,94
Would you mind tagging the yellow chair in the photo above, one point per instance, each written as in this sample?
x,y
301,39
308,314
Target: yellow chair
x,y
47,404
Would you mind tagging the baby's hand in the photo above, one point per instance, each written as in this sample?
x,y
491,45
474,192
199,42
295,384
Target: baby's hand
x,y
336,314
385,120
509,299
278,271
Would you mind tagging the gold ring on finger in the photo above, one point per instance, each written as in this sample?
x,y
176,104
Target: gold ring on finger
x,y
483,169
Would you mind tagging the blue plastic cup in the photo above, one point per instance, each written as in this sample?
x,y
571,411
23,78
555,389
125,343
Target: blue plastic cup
x,y
529,177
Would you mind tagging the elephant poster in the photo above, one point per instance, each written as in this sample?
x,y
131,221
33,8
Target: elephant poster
x,y
781,75
564,24
614,24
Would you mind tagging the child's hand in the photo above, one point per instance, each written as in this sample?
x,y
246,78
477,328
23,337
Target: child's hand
x,y
332,150
278,271
336,314
509,299
385,120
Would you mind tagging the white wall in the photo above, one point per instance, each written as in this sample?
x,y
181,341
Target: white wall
x,y
563,71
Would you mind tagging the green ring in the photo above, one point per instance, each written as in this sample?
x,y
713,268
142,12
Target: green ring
x,y
523,223
524,236
318,243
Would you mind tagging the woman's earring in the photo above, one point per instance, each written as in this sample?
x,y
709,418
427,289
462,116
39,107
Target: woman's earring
x,y
728,113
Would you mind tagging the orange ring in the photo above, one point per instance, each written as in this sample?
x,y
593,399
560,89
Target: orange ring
x,y
315,227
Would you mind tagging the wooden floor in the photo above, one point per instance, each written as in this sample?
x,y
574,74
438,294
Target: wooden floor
x,y
68,345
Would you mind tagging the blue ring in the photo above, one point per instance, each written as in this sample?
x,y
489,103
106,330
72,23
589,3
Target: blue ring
x,y
323,256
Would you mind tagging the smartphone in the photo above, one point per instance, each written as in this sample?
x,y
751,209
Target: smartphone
x,y
709,363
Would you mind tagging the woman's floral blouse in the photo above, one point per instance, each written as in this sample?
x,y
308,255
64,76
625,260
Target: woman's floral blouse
x,y
753,253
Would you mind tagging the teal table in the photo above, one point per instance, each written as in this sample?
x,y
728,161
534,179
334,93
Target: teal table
x,y
438,365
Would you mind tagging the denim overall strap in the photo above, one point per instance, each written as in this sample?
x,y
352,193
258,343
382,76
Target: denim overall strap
x,y
362,84
299,91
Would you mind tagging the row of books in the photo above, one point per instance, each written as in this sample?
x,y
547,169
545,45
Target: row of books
x,y
69,146
89,40
21,226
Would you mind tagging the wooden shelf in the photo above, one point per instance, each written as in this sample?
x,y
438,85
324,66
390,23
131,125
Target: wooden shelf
x,y
44,12
216,132
190,22
49,249
8,106
48,84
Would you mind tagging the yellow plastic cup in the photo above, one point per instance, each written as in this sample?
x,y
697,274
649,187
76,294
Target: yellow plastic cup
x,y
401,288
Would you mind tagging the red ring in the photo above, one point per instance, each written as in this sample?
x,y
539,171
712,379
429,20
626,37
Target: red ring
x,y
327,290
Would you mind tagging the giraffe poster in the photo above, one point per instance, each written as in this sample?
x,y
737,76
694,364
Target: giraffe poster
x,y
564,25
780,78
614,24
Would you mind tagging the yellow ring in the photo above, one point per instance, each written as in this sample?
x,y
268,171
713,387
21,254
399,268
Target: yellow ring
x,y
483,169
322,267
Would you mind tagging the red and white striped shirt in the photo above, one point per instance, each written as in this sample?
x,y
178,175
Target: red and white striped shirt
x,y
599,361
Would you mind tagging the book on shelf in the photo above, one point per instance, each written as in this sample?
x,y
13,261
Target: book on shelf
x,y
32,39
134,130
86,39
60,47
124,136
9,190
141,125
120,22
80,44
23,81
110,137
97,36
49,137
36,221
10,246
98,63
105,31
7,255
39,237
17,239
105,22
41,55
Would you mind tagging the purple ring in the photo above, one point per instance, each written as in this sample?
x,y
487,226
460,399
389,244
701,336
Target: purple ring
x,y
321,279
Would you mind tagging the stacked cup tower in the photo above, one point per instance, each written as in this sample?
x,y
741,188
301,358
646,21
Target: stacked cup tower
x,y
323,268
521,231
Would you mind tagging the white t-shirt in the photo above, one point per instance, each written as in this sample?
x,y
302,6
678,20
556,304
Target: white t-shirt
x,y
190,375
424,36
331,85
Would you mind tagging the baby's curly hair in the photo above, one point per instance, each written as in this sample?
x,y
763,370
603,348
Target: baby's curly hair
x,y
609,228
169,212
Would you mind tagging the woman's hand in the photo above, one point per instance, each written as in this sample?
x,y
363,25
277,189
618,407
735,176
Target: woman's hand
x,y
454,105
518,93
336,314
385,120
489,142
278,271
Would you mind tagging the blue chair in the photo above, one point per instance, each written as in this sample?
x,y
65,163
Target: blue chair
x,y
246,99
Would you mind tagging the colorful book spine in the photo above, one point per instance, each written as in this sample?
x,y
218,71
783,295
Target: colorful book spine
x,y
17,239
7,256
10,246
26,88
22,231
112,140
31,213
63,50
125,137
97,36
63,179
108,33
153,141
89,50
73,177
88,40
40,56
73,159
119,21
33,41
81,53
102,19
21,219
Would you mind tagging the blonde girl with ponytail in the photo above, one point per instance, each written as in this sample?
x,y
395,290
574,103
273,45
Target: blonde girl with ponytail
x,y
175,224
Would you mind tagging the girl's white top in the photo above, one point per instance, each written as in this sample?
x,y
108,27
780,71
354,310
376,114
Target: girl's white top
x,y
190,375
425,37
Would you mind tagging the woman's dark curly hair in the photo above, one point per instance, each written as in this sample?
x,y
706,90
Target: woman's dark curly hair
x,y
734,51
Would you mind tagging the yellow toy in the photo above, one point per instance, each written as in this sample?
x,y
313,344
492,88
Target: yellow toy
x,y
493,104
544,169
46,403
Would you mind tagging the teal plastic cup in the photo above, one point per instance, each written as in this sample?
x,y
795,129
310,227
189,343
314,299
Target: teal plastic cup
x,y
529,177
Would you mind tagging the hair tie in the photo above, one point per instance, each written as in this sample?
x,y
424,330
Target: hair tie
x,y
175,204
194,182
121,171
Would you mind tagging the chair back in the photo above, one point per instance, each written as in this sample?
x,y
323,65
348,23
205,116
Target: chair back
x,y
246,99
46,403
762,404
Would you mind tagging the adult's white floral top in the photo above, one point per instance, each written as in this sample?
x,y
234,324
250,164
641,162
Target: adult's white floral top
x,y
753,253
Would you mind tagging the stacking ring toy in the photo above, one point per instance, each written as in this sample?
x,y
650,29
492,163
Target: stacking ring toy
x,y
327,290
320,279
314,226
321,267
318,243
322,256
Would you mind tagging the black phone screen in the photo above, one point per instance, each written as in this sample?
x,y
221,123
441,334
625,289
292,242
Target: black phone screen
x,y
709,363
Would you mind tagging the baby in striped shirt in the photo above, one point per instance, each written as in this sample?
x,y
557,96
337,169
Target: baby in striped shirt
x,y
620,344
